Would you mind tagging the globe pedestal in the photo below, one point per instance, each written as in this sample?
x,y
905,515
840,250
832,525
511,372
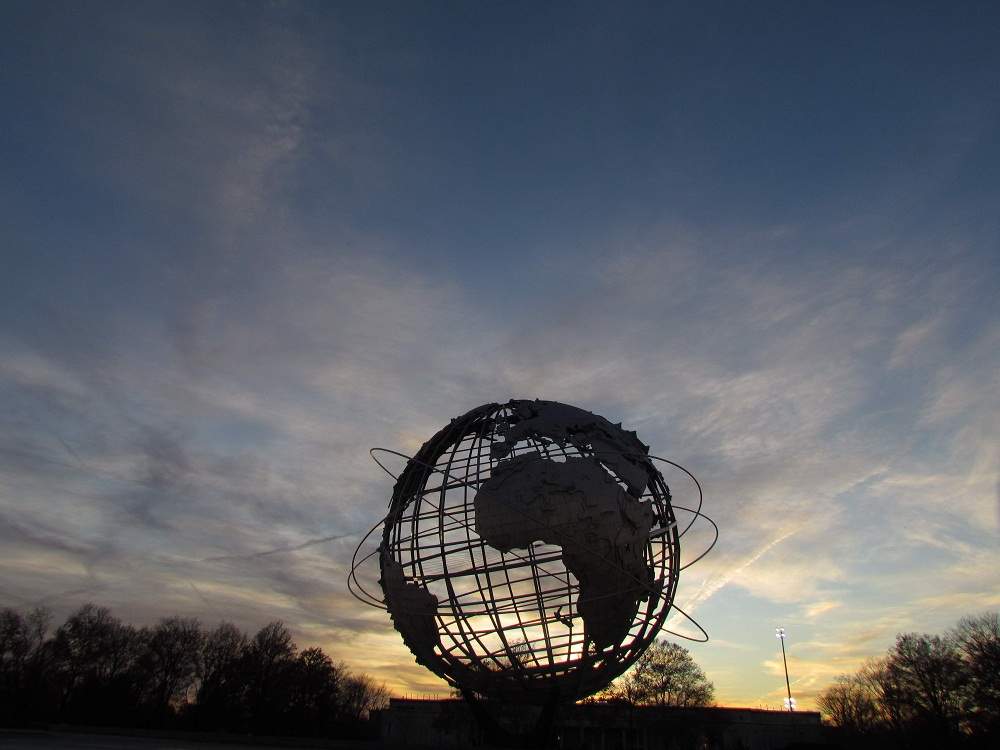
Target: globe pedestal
x,y
531,731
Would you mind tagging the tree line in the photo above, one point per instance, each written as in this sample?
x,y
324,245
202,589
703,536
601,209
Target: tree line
x,y
95,669
927,691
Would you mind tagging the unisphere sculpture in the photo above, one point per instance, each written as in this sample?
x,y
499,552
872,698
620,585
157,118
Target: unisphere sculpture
x,y
530,550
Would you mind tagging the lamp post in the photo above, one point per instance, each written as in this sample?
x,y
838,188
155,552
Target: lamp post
x,y
779,633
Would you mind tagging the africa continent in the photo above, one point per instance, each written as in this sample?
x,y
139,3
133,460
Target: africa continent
x,y
579,506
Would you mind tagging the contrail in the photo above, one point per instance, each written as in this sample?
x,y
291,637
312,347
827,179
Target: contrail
x,y
208,603
708,589
69,592
69,449
277,550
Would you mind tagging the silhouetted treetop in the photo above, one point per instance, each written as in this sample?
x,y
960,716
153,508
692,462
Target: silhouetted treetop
x,y
665,675
95,669
928,690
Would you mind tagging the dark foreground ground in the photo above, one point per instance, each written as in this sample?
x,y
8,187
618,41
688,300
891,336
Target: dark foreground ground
x,y
15,740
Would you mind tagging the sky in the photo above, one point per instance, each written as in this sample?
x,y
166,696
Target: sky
x,y
242,243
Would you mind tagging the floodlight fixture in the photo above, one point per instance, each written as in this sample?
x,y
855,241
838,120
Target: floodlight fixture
x,y
779,633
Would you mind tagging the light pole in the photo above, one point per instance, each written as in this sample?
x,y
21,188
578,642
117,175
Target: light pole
x,y
779,633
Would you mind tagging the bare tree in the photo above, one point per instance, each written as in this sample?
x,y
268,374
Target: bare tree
x,y
14,643
925,672
665,675
977,640
361,695
172,660
95,657
221,654
268,660
98,670
851,703
893,712
515,654
222,682
314,700
917,692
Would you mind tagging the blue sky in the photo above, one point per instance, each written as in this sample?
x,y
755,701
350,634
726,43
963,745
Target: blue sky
x,y
242,243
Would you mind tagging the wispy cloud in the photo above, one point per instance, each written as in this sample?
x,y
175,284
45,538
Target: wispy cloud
x,y
260,252
712,586
277,550
819,608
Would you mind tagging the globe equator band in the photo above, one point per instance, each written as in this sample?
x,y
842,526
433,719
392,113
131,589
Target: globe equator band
x,y
373,451
528,562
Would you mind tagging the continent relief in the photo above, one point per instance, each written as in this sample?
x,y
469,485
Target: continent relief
x,y
577,505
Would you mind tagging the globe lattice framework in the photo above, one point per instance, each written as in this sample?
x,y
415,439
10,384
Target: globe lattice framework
x,y
530,550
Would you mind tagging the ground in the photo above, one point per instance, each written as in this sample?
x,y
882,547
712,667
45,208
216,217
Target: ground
x,y
34,740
